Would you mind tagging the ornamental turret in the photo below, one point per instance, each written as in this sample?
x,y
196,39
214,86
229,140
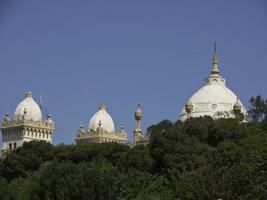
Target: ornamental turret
x,y
6,119
237,109
81,129
189,108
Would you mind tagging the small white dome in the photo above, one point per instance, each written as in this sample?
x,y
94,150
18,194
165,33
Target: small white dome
x,y
30,107
103,119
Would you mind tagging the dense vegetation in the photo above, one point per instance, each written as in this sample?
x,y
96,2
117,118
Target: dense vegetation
x,y
197,159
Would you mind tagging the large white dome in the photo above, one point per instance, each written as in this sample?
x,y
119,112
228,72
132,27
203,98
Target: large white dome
x,y
216,101
29,108
103,119
213,99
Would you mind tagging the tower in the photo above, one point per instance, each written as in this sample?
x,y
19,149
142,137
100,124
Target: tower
x,y
138,117
139,137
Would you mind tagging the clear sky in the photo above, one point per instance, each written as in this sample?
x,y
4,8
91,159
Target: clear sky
x,y
121,53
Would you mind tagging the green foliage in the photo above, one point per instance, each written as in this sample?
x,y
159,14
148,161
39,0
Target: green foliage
x,y
257,109
23,160
196,159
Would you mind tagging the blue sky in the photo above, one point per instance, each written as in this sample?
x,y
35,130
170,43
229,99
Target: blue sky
x,y
121,53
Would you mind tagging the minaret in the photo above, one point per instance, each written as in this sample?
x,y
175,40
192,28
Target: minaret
x,y
215,63
138,117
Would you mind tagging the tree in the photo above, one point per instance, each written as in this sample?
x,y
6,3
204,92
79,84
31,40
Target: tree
x,y
200,158
257,109
26,159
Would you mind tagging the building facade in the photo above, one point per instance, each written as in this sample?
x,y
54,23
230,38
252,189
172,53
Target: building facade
x,y
27,125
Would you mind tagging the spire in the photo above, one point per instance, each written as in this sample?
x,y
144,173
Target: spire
x,y
215,63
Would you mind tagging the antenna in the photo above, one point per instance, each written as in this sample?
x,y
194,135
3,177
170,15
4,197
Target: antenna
x,y
43,105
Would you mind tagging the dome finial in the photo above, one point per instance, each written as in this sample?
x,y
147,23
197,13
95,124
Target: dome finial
x,y
102,107
215,63
28,94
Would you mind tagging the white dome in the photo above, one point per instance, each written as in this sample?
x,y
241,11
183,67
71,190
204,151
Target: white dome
x,y
216,101
214,98
103,119
31,108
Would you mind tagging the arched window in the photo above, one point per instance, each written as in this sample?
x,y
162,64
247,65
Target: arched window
x,y
15,145
10,146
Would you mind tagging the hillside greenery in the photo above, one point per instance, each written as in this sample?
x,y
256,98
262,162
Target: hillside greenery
x,y
200,158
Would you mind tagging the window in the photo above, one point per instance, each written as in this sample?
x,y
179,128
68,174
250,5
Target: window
x,y
10,146
15,145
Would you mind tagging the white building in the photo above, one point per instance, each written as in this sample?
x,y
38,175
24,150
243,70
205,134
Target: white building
x,y
214,98
26,125
101,129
